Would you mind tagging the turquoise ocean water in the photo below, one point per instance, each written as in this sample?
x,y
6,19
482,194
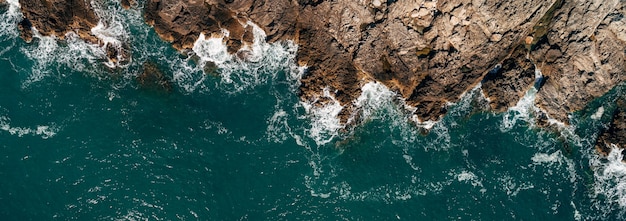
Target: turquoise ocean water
x,y
81,141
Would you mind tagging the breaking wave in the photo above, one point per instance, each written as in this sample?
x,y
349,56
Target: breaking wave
x,y
261,62
10,19
609,186
325,122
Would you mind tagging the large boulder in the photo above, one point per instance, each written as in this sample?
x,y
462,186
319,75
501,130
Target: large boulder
x,y
58,17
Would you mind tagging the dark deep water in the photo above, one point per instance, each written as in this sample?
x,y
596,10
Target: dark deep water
x,y
80,142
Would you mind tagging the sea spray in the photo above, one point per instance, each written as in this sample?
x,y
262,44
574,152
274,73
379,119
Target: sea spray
x,y
10,19
374,98
263,61
325,122
113,32
44,131
46,52
609,180
75,53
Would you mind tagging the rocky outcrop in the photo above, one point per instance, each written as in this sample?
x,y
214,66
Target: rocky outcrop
x,y
430,52
58,17
615,134
182,22
582,54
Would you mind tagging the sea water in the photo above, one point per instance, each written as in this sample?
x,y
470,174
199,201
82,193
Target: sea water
x,y
81,140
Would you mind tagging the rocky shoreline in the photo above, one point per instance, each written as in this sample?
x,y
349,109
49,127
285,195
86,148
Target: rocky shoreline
x,y
429,52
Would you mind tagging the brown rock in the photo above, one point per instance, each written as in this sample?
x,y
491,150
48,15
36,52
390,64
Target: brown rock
x,y
506,85
152,78
586,57
430,55
615,134
128,3
58,17
181,22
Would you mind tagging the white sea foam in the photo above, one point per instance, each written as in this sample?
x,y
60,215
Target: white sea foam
x,y
544,158
522,111
469,177
278,129
261,62
468,101
212,49
325,122
44,131
428,125
526,111
376,101
374,97
10,19
512,187
75,53
610,177
598,114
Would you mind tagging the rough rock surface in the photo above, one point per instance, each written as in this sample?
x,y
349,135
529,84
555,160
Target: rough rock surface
x,y
616,132
582,53
497,84
58,17
181,22
430,52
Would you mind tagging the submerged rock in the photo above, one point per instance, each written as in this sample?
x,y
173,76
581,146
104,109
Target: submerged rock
x,y
152,78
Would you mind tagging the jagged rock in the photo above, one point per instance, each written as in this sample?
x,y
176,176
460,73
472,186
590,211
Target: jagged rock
x,y
152,78
582,54
181,22
615,134
497,84
58,17
430,52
